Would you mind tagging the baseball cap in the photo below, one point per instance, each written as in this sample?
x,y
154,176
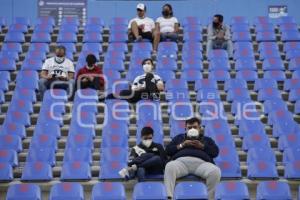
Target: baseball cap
x,y
141,6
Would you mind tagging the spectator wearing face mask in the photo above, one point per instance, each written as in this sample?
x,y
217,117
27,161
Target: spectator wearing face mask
x,y
219,36
167,25
146,158
192,153
146,86
90,76
57,72
143,27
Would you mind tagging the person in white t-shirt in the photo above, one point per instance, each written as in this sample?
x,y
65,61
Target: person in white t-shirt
x,y
167,25
142,27
57,72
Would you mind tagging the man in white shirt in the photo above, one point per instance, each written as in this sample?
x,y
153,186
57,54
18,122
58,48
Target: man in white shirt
x,y
142,27
57,72
167,25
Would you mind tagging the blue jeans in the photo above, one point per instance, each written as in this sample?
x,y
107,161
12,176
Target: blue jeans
x,y
168,37
226,45
44,84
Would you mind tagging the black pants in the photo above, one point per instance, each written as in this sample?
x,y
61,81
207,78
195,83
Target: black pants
x,y
147,163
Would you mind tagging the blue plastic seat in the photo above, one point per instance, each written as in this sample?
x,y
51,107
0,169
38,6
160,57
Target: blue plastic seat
x,y
66,37
2,21
292,35
269,53
267,27
265,36
192,36
7,64
21,105
37,171
119,20
176,83
239,20
67,191
27,79
292,170
110,154
233,190
80,141
243,53
10,55
191,75
219,64
43,28
262,169
23,118
191,20
290,140
115,140
219,75
149,190
275,74
44,141
114,64
264,154
291,45
191,46
219,53
255,140
41,154
118,37
227,152
110,170
222,139
268,94
297,107
192,63
229,169
251,127
264,83
93,47
18,28
294,94
40,55
239,28
14,37
261,20
206,83
190,190
176,127
108,191
294,64
235,83
166,63
69,28
95,21
241,36
70,21
24,191
290,54
207,93
76,170
9,156
93,37
273,190
238,94
46,20
32,64
118,46
6,172
273,64
41,47
41,37
245,64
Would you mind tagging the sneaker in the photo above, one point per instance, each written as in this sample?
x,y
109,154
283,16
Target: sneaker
x,y
124,173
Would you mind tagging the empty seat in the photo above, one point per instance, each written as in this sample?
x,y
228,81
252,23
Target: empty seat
x,y
290,140
268,94
37,171
13,129
261,153
190,190
262,169
245,64
233,190
238,94
24,191
6,172
110,170
292,169
266,36
264,83
273,190
76,170
108,191
255,140
273,64
275,74
66,191
46,155
229,169
149,190
11,142
14,37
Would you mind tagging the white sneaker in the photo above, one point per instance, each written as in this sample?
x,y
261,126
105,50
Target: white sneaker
x,y
124,173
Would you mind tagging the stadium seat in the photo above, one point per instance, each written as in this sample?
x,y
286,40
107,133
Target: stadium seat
x,y
238,94
219,64
92,37
118,37
14,37
229,169
43,28
66,37
149,190
110,170
176,83
190,190
44,141
114,64
264,83
241,35
233,190
219,75
66,190
21,20
192,63
245,64
76,170
285,20
41,37
6,172
268,94
289,140
32,64
37,171
24,191
273,190
263,153
95,21
70,21
191,75
10,55
42,154
292,170
266,36
7,64
255,140
192,36
262,170
235,83
290,36
273,64
9,156
11,142
268,27
294,64
290,54
219,53
275,74
108,191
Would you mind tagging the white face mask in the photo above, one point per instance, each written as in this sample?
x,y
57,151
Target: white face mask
x,y
193,133
147,143
147,68
59,59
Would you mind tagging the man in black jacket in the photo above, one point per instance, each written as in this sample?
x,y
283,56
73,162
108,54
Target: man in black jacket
x,y
192,153
146,158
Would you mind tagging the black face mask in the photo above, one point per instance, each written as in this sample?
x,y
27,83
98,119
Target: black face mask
x,y
215,24
165,13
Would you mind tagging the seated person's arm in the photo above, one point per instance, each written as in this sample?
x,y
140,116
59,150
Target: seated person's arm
x,y
45,74
160,86
174,146
162,153
210,33
176,28
211,148
136,86
227,35
70,75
